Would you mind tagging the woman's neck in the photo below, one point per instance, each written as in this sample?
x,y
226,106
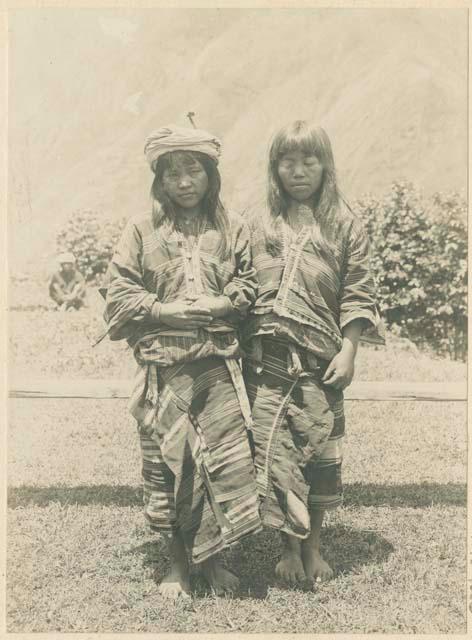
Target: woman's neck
x,y
189,221
189,214
299,215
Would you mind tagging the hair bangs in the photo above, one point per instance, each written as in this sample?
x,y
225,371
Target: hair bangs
x,y
305,141
301,136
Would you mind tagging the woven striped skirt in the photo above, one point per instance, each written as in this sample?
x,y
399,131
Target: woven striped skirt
x,y
297,433
197,468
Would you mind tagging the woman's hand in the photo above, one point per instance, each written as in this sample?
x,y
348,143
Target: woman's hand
x,y
219,306
185,315
340,371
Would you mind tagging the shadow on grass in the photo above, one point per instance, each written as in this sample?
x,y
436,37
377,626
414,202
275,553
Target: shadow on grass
x,y
422,494
357,494
103,494
254,558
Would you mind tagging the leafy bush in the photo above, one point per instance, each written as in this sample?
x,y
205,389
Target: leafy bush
x,y
92,239
419,259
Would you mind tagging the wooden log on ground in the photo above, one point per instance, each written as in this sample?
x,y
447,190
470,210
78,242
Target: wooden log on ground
x,y
96,389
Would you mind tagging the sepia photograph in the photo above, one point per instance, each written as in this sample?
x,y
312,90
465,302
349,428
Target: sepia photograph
x,y
237,320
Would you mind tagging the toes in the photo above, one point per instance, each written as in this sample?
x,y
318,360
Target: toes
x,y
232,584
301,577
323,575
287,576
221,589
222,582
228,591
173,592
326,573
282,573
291,577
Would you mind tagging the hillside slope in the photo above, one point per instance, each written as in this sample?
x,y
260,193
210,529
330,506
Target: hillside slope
x,y
87,86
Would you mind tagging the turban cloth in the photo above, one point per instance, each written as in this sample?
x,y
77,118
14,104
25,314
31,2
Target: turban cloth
x,y
173,138
65,257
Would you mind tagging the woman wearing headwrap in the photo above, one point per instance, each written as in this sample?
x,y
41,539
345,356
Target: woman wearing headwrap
x,y
180,281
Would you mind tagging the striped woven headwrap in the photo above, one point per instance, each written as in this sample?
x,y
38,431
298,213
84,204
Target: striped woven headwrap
x,y
174,138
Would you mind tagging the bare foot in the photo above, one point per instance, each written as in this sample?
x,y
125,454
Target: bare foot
x,y
176,584
316,569
220,579
290,568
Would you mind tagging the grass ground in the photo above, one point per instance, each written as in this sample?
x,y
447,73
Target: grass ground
x,y
80,558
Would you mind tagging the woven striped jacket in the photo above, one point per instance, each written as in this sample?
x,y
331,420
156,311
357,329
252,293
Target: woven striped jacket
x,y
152,264
308,294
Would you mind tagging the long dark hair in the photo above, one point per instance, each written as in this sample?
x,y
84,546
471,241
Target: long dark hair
x,y
163,209
312,140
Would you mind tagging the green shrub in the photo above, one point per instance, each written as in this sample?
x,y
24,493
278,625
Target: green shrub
x,y
92,239
419,259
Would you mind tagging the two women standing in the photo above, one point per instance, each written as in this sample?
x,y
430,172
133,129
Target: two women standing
x,y
184,290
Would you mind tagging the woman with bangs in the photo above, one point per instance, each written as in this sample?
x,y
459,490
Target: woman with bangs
x,y
179,284
315,299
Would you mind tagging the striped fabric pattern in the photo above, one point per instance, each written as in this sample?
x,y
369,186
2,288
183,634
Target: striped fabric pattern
x,y
197,467
152,265
298,429
189,397
167,347
307,294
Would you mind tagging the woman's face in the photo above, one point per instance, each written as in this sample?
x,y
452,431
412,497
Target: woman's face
x,y
301,175
185,183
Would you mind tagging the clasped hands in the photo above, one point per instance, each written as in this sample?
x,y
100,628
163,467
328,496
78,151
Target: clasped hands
x,y
194,312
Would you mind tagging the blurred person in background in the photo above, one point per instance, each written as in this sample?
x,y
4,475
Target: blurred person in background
x,y
67,284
